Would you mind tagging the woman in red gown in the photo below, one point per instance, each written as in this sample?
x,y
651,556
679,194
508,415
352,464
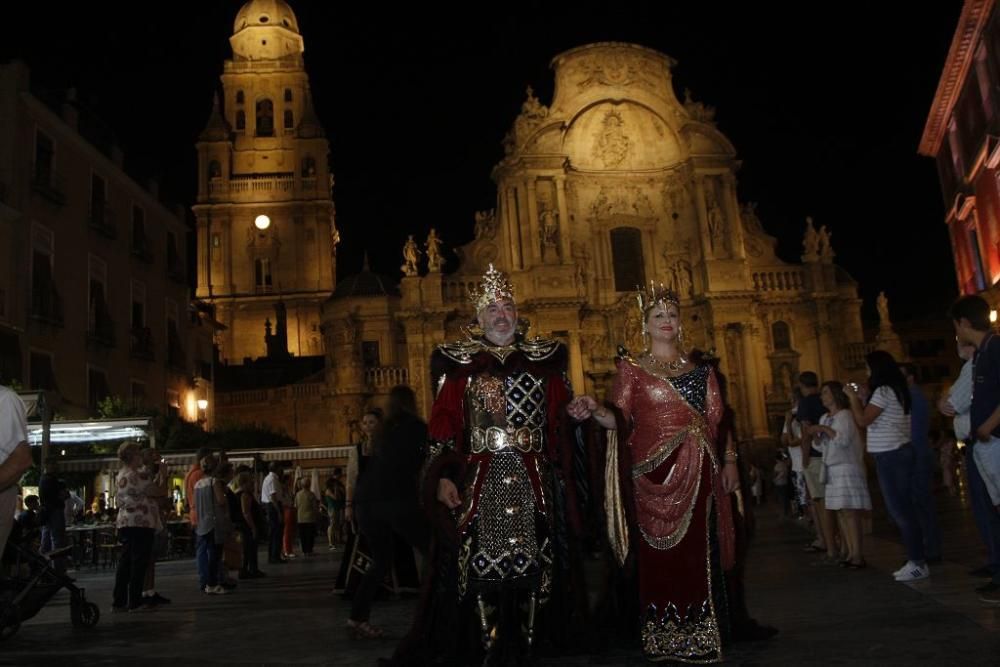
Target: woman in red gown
x,y
667,482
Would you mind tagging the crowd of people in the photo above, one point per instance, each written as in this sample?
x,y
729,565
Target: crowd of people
x,y
512,483
820,472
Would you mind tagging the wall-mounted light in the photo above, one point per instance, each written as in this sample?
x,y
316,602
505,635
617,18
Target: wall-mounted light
x,y
993,316
262,222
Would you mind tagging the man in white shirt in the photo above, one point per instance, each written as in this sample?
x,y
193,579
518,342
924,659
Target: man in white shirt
x,y
957,403
270,497
15,457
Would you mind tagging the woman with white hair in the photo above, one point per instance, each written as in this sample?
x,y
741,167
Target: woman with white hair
x,y
138,521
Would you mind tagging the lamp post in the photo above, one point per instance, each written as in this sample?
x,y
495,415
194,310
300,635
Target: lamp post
x,y
202,410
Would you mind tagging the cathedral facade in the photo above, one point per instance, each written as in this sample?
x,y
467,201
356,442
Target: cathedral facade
x,y
614,183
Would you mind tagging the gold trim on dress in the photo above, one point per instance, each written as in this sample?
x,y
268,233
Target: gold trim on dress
x,y
614,506
669,541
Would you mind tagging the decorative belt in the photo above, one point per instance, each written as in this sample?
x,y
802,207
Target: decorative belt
x,y
495,439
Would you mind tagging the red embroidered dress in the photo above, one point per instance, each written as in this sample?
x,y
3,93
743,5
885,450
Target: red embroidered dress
x,y
668,438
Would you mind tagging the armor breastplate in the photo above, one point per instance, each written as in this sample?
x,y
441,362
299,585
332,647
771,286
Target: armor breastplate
x,y
505,412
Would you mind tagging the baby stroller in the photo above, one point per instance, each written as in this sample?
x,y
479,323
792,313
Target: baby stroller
x,y
33,582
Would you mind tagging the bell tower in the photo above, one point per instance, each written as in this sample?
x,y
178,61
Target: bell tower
x,y
265,213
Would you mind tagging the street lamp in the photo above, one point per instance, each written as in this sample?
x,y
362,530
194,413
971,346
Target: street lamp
x,y
203,404
262,222
993,316
202,407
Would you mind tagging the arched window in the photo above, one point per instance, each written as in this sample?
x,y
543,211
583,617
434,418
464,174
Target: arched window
x,y
265,118
288,94
289,119
782,336
308,166
241,120
626,253
239,97
214,169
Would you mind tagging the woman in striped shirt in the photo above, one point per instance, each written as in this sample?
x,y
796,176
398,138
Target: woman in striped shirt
x,y
886,417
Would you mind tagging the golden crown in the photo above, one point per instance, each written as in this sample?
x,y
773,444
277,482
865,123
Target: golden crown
x,y
492,288
656,294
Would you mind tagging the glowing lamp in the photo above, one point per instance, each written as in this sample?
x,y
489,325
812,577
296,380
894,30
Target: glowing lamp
x,y
993,316
262,222
202,404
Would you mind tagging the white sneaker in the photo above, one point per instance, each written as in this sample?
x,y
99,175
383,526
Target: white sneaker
x,y
903,569
913,572
216,590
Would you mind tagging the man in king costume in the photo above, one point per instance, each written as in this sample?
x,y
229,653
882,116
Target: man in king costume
x,y
499,486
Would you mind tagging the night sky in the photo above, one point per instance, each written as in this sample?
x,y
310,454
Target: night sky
x,y
826,110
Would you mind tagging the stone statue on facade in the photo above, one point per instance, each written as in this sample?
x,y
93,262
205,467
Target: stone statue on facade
x,y
549,231
434,257
411,255
532,109
486,224
716,224
882,303
824,247
810,242
698,111
682,283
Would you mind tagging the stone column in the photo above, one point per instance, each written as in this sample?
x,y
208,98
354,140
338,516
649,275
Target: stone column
x,y
732,208
536,238
754,388
564,231
513,233
523,226
228,247
576,363
700,208
205,255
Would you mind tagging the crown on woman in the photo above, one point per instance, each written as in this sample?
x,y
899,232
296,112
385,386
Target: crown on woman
x,y
492,288
656,294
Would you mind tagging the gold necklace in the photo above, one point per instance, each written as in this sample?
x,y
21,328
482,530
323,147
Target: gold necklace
x,y
670,366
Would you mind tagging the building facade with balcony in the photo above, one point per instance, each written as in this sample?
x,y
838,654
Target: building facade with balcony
x,y
962,134
94,297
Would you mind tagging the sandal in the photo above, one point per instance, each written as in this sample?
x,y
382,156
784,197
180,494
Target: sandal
x,y
363,630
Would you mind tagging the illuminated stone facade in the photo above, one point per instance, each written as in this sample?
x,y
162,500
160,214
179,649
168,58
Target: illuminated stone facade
x,y
263,153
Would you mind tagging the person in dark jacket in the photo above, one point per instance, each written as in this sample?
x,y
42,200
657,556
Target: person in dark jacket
x,y
386,502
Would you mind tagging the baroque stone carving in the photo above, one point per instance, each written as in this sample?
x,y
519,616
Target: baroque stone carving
x,y
882,303
751,221
612,144
810,241
616,69
486,225
411,255
614,201
823,244
434,257
716,221
681,279
548,221
676,196
698,111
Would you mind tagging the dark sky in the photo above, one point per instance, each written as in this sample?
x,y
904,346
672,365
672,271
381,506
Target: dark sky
x,y
825,108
